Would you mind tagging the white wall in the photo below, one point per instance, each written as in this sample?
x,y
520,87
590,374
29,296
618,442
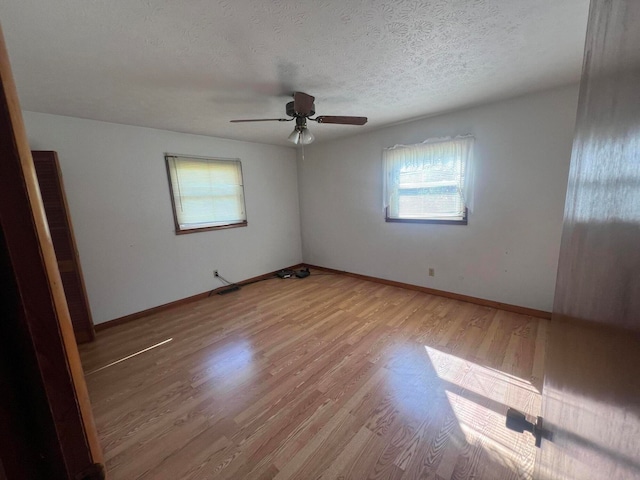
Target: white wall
x,y
509,250
116,184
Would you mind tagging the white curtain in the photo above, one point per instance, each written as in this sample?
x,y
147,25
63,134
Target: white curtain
x,y
430,153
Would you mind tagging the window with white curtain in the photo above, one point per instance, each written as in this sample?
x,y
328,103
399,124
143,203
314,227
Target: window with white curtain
x,y
206,193
430,182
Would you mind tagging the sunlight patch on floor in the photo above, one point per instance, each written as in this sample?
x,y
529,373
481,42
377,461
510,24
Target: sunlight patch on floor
x,y
493,384
479,397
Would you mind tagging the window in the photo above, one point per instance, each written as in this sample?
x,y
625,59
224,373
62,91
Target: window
x,y
429,182
206,193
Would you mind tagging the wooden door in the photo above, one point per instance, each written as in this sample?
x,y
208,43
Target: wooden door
x,y
46,423
591,395
64,243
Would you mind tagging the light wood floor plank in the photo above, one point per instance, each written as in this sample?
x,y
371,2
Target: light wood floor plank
x,y
326,377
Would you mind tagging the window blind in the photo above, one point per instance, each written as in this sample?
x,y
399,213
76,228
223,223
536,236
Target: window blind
x,y
206,192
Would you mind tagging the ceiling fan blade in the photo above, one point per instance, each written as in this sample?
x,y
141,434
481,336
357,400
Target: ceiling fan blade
x,y
341,120
303,103
263,120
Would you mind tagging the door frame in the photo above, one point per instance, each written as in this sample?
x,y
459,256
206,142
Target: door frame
x,y
44,404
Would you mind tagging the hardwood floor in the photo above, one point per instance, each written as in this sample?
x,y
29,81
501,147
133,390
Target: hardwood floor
x,y
326,377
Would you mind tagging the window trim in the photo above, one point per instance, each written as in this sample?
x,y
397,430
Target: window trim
x,y
178,230
466,185
205,229
463,221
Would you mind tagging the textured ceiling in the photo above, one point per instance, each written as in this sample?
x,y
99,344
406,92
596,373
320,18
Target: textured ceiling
x,y
191,66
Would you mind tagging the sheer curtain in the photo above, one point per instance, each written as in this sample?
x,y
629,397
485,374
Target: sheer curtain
x,y
429,158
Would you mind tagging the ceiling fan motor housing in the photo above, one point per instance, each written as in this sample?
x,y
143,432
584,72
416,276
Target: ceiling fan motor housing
x,y
292,113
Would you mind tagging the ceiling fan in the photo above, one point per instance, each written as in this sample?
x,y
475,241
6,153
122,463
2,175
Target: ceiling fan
x,y
302,109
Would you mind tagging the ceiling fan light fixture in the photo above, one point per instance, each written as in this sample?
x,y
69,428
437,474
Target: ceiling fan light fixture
x,y
301,136
306,137
294,137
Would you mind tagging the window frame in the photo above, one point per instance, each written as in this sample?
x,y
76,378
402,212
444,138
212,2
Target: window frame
x,y
464,220
180,231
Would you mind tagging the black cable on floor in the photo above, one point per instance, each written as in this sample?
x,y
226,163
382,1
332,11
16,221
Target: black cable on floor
x,y
230,284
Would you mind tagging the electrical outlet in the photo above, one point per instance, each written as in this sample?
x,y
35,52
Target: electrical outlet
x,y
215,273
432,272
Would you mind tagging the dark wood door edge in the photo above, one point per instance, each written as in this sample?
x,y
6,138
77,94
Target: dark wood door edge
x,y
39,310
